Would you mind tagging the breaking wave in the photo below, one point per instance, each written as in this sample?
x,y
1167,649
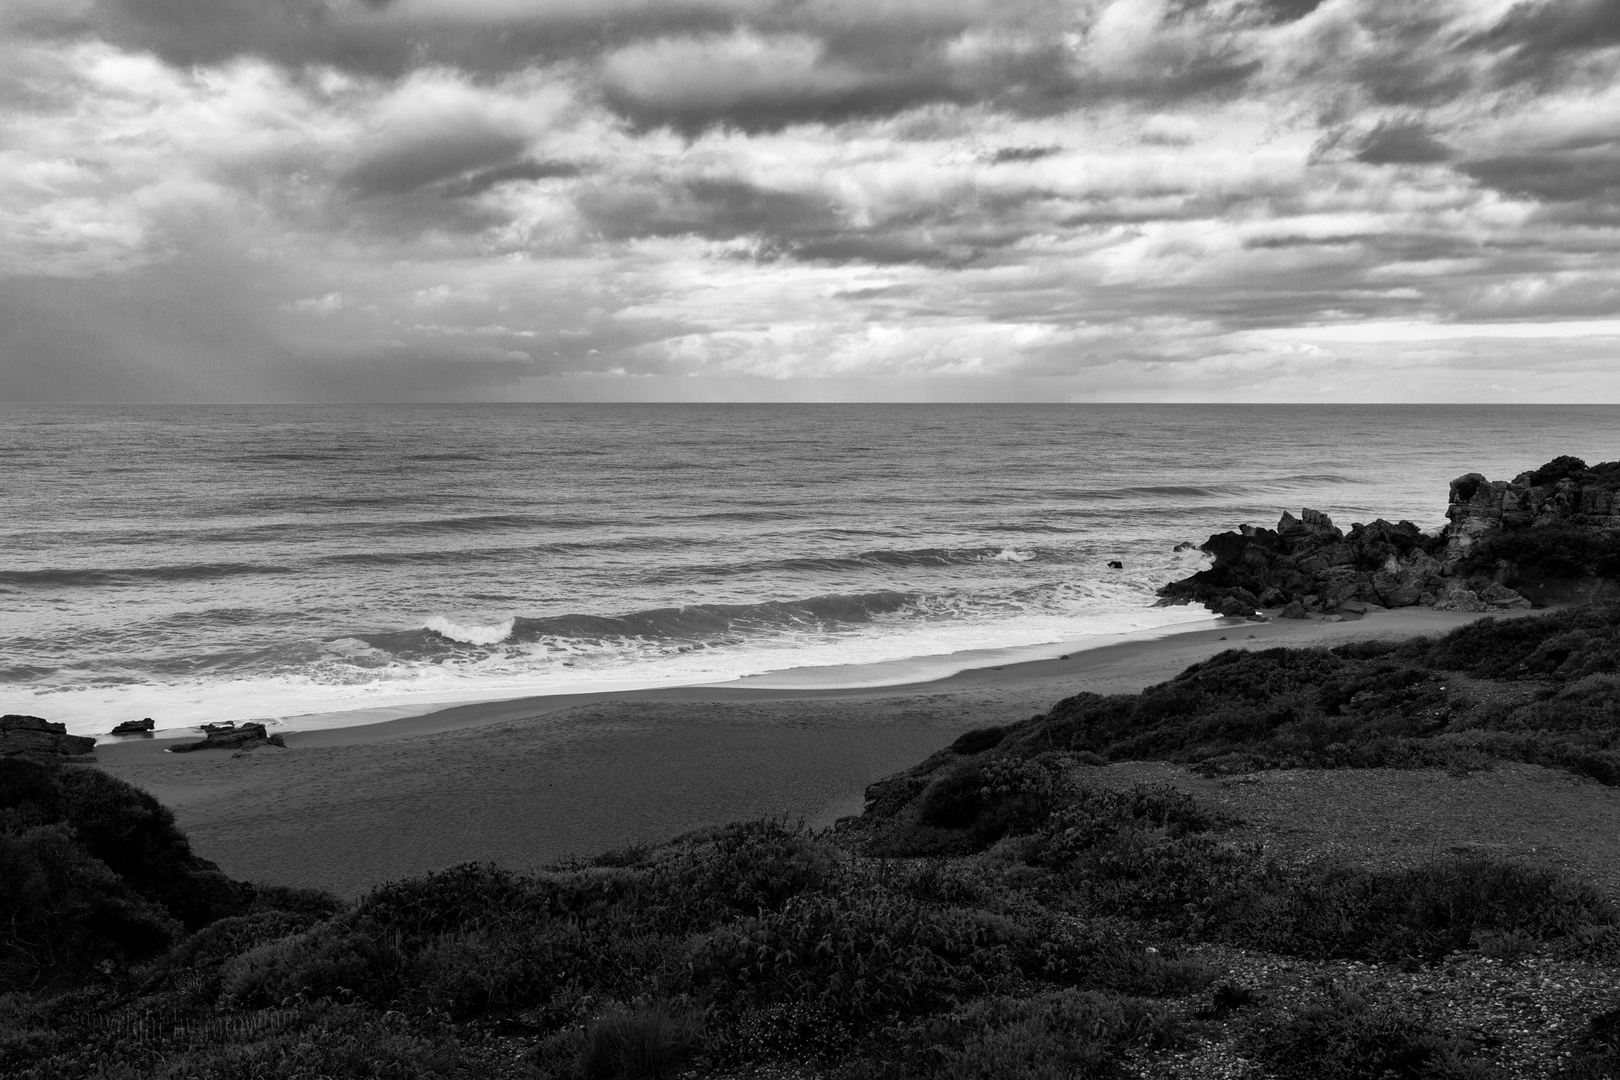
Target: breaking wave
x,y
471,633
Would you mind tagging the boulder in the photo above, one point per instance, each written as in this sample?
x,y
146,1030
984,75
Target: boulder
x,y
1459,597
230,737
134,727
35,736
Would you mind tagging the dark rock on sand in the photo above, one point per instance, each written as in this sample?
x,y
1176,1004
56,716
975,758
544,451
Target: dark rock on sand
x,y
1549,535
34,736
134,727
1115,564
230,737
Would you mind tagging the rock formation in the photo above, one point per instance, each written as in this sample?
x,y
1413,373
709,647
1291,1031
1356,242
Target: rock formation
x,y
1548,535
34,736
230,737
134,727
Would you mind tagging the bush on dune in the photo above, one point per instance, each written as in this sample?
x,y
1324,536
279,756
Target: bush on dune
x,y
1067,1035
1562,646
65,912
124,829
1344,1038
1360,705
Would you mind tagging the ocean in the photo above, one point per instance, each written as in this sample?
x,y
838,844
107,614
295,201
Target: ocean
x,y
204,563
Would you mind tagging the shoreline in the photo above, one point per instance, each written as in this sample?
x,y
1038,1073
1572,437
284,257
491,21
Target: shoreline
x,y
878,674
528,781
1075,658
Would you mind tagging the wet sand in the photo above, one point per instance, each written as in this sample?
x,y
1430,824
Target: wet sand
x,y
529,781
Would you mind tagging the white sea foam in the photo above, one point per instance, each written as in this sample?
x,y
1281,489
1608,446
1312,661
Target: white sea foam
x,y
327,693
1008,554
471,633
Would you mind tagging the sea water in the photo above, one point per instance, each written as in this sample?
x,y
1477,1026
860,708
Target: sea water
x,y
224,563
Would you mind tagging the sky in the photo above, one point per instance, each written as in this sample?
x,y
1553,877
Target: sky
x,y
1087,200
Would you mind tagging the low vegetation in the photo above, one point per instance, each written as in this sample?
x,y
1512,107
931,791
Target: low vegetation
x,y
1543,689
991,915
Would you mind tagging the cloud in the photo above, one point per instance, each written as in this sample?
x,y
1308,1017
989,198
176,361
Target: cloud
x,y
490,198
1542,29
1402,142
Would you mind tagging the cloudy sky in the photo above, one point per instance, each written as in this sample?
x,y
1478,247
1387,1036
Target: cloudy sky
x,y
1254,200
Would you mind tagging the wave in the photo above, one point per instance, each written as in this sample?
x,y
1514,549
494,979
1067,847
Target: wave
x,y
22,673
880,559
471,633
434,556
699,624
103,576
474,523
711,621
1259,485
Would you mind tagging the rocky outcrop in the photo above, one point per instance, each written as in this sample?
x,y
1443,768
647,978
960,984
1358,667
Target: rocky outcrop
x,y
134,727
1308,566
1552,534
248,736
1547,535
36,737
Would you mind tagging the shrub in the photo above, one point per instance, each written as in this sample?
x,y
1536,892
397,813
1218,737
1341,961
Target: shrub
x,y
1564,645
65,912
978,740
646,1043
124,829
1344,1038
335,959
1429,911
969,805
1068,1035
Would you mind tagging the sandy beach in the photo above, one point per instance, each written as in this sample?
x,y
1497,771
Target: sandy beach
x,y
528,781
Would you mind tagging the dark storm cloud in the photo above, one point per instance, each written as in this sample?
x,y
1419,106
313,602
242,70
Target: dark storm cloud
x,y
1023,153
368,38
416,163
1538,32
188,32
1285,11
1582,175
1402,142
517,172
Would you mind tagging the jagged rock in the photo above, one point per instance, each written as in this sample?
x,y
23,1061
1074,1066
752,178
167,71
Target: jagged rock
x,y
134,727
1310,560
1549,535
1294,610
33,735
230,737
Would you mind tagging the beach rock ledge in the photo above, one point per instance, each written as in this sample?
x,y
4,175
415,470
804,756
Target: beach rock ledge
x,y
229,736
1549,535
40,738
